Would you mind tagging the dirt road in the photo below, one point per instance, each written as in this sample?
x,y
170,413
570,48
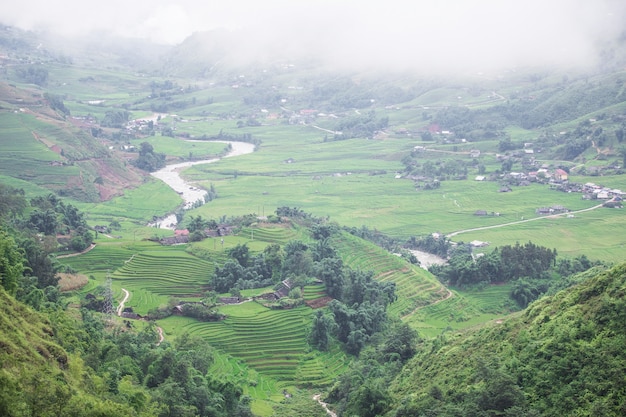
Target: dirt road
x,y
449,235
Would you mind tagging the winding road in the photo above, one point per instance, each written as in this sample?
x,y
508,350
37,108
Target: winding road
x,y
521,221
120,308
317,397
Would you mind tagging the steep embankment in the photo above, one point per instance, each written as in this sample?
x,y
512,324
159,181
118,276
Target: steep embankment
x,y
564,355
37,375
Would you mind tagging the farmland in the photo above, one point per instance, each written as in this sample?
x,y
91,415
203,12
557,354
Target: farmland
x,y
392,164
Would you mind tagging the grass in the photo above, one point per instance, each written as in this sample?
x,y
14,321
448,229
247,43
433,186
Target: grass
x,y
182,149
596,234
140,205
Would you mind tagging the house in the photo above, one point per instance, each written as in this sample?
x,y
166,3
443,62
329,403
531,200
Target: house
x,y
174,240
230,300
480,178
560,175
101,229
474,153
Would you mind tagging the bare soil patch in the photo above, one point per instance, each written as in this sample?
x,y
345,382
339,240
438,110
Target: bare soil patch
x,y
71,282
318,302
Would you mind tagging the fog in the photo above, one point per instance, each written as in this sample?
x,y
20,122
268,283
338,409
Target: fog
x,y
470,35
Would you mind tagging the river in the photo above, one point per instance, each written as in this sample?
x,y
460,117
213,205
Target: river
x,y
427,259
189,193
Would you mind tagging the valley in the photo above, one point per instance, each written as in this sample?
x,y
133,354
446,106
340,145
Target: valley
x,y
246,213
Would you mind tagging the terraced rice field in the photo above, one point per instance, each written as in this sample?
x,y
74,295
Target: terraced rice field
x,y
270,234
100,259
271,342
414,286
492,299
457,312
165,273
321,369
313,292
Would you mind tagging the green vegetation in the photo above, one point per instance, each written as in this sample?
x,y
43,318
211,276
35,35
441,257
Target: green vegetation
x,y
295,275
531,363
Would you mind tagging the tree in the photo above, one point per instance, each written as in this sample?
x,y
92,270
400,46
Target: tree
x,y
44,221
297,259
39,264
240,253
11,263
149,160
321,328
330,270
12,201
622,152
370,400
226,276
322,249
196,224
400,342
273,255
56,103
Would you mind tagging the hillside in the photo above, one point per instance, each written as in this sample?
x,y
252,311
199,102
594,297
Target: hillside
x,y
41,143
38,376
563,355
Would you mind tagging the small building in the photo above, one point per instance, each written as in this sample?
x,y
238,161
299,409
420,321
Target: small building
x,y
480,213
560,175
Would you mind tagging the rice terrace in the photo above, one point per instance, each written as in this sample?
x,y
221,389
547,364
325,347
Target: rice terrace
x,y
279,237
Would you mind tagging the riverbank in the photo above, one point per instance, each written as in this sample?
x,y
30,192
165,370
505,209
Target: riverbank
x,y
170,175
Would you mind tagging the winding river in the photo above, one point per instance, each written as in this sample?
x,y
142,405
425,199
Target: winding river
x,y
190,194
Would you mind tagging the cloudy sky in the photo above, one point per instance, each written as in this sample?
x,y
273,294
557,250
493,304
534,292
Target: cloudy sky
x,y
474,32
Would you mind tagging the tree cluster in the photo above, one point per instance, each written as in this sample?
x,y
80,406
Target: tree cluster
x,y
27,269
243,271
149,160
363,390
439,246
504,264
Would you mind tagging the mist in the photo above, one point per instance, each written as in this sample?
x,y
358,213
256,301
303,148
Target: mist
x,y
426,35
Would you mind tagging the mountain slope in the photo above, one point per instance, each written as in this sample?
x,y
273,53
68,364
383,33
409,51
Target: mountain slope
x,y
39,143
38,376
564,355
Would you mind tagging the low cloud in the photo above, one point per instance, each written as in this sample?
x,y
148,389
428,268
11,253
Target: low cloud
x,y
394,34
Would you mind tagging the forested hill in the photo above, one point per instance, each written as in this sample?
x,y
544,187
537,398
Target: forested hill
x,y
562,356
40,377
